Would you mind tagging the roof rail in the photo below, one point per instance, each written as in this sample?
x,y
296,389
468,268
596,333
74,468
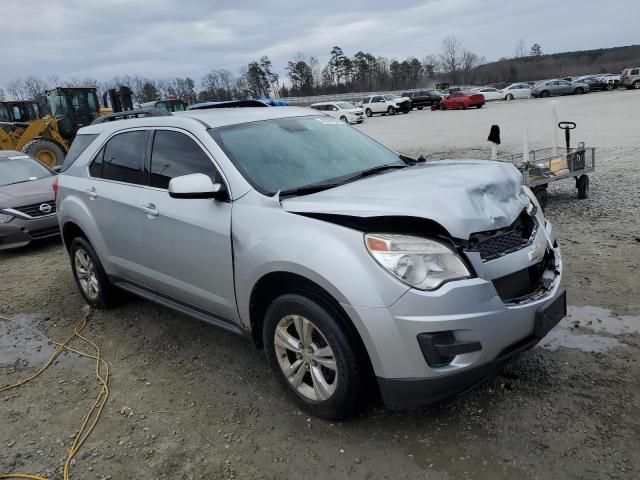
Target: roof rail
x,y
141,112
228,104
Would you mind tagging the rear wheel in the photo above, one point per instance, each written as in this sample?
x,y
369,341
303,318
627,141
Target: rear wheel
x,y
443,107
579,91
420,108
312,356
368,112
461,106
583,186
636,84
90,277
46,151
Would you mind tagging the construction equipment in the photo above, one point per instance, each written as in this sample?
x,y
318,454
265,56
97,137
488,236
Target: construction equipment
x,y
117,100
170,105
19,111
48,138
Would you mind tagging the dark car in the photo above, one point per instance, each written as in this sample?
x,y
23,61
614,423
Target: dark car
x,y
27,207
499,85
596,83
423,98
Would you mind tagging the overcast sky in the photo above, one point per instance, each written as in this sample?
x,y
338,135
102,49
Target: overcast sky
x,y
167,38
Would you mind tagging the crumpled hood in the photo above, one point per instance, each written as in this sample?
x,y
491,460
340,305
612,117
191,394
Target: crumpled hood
x,y
27,193
464,196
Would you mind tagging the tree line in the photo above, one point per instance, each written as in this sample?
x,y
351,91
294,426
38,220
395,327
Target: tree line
x,y
342,73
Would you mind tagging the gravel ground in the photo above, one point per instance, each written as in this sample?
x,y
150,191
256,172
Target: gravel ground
x,y
190,401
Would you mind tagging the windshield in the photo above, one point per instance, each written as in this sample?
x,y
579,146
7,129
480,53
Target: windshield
x,y
390,97
21,168
288,153
4,114
345,105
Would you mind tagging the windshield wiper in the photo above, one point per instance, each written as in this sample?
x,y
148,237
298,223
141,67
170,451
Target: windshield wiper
x,y
308,189
318,187
373,171
15,183
413,161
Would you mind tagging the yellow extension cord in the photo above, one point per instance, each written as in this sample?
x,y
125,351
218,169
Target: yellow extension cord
x,y
96,410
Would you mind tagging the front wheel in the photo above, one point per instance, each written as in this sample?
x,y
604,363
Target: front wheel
x,y
312,356
579,91
544,94
368,112
509,97
344,119
461,106
391,111
443,107
609,87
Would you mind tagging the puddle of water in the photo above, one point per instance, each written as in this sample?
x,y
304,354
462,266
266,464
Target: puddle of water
x,y
602,320
579,329
19,343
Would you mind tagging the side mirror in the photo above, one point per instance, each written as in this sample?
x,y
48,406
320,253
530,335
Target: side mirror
x,y
196,185
57,168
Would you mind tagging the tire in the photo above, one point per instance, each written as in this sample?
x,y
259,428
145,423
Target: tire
x,y
509,97
368,112
107,295
442,107
344,119
544,94
342,384
480,106
609,87
636,84
583,186
419,108
461,106
579,91
391,110
46,151
542,194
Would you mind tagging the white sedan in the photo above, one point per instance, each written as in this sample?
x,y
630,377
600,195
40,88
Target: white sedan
x,y
345,111
489,93
516,90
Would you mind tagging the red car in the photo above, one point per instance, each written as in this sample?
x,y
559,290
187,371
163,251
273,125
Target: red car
x,y
461,100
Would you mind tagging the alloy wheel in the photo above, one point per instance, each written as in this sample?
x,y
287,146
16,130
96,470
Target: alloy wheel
x,y
305,358
86,274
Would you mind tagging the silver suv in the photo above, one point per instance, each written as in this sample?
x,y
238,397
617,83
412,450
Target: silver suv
x,y
343,259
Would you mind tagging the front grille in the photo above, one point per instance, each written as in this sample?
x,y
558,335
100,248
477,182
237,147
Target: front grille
x,y
34,211
45,232
497,243
517,286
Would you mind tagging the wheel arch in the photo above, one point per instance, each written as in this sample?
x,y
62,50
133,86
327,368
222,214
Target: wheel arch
x,y
71,230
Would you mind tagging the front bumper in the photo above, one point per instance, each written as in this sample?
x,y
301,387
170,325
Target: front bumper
x,y
20,232
472,310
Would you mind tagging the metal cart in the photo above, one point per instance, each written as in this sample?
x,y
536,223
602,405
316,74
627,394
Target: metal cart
x,y
548,165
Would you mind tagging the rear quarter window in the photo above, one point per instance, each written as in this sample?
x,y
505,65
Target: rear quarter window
x,y
78,146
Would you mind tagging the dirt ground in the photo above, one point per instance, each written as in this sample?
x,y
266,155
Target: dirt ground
x,y
190,401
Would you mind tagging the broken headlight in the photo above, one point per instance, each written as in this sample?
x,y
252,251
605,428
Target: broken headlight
x,y
5,218
420,262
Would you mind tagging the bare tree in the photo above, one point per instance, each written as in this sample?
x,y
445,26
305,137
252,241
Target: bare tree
x,y
2,94
468,61
450,57
521,49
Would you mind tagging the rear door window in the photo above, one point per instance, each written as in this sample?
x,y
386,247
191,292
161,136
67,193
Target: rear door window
x,y
175,154
122,158
635,72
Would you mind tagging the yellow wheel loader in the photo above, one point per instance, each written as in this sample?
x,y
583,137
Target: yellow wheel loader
x,y
48,138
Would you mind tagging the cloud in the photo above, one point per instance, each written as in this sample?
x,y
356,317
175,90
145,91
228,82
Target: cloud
x,y
168,38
